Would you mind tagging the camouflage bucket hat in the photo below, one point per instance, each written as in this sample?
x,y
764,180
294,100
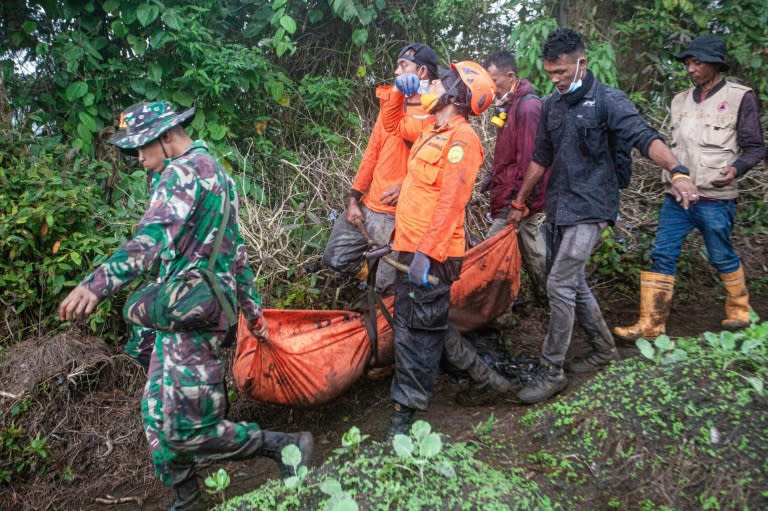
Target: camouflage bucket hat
x,y
144,122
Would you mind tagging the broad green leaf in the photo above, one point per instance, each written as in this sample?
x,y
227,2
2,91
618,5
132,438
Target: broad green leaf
x,y
75,258
750,344
183,98
277,4
147,13
76,90
74,53
420,429
430,446
275,89
291,455
155,72
663,342
757,384
139,86
118,28
728,341
330,486
645,347
152,90
360,36
84,133
29,26
712,339
172,20
676,355
217,131
403,446
288,24
138,44
361,71
446,470
88,121
111,5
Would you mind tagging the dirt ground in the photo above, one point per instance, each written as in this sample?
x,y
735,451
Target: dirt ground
x,y
113,470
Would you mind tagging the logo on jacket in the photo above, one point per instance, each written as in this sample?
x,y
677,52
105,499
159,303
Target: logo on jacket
x,y
455,154
722,107
589,102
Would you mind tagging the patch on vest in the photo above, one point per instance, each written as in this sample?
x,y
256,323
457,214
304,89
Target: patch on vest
x,y
455,154
722,107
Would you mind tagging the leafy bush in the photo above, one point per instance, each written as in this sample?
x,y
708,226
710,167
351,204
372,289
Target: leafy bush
x,y
58,218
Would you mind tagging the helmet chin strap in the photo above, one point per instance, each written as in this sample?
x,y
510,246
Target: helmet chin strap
x,y
167,158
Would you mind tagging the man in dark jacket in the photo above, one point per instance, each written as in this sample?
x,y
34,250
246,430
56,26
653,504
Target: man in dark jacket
x,y
517,117
582,199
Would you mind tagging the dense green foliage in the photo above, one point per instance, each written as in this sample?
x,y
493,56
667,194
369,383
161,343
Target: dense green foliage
x,y
283,91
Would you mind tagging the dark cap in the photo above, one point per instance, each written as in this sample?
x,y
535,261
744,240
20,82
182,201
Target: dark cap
x,y
706,48
421,55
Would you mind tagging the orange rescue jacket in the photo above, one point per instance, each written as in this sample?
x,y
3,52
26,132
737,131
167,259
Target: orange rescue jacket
x,y
442,168
385,158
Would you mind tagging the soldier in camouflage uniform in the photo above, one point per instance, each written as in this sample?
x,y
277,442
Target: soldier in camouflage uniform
x,y
184,401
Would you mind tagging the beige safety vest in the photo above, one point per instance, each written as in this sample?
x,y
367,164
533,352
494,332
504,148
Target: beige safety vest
x,y
704,137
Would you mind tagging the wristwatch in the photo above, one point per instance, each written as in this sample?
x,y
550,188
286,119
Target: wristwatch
x,y
680,169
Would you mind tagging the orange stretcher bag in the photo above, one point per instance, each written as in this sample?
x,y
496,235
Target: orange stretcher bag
x,y
312,356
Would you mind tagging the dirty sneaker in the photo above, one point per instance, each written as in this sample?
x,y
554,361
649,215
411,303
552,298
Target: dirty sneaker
x,y
548,381
594,361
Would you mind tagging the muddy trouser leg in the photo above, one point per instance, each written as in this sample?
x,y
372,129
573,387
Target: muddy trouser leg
x,y
346,245
566,279
420,326
380,227
461,353
531,237
184,405
591,319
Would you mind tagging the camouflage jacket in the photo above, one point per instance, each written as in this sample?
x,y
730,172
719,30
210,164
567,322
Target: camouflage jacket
x,y
178,230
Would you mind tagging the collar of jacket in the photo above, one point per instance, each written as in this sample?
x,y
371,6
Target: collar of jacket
x,y
452,123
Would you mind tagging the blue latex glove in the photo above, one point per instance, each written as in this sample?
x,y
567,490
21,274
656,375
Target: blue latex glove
x,y
408,84
419,270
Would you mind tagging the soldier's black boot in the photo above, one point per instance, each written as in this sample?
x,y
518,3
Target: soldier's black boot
x,y
186,491
400,421
273,445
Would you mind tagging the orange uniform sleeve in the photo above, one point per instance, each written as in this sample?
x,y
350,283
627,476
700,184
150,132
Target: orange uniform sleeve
x,y
394,118
364,176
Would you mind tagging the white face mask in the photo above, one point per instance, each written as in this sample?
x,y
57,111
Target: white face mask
x,y
575,84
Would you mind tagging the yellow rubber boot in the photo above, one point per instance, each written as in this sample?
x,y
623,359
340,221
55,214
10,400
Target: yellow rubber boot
x,y
656,292
737,302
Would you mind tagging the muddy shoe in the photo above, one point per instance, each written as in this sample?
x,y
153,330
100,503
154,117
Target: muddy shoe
x,y
549,381
594,361
477,395
400,421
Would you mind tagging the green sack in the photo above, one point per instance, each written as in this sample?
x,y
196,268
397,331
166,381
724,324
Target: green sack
x,y
188,302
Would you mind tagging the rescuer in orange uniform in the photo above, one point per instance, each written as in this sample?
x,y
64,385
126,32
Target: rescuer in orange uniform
x,y
376,187
429,226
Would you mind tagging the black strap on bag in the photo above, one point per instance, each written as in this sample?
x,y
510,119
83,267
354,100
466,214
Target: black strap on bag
x,y
374,300
209,273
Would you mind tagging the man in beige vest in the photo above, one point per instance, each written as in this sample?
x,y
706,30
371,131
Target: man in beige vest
x,y
716,134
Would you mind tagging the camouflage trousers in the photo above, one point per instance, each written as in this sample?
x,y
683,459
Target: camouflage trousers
x,y
185,403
